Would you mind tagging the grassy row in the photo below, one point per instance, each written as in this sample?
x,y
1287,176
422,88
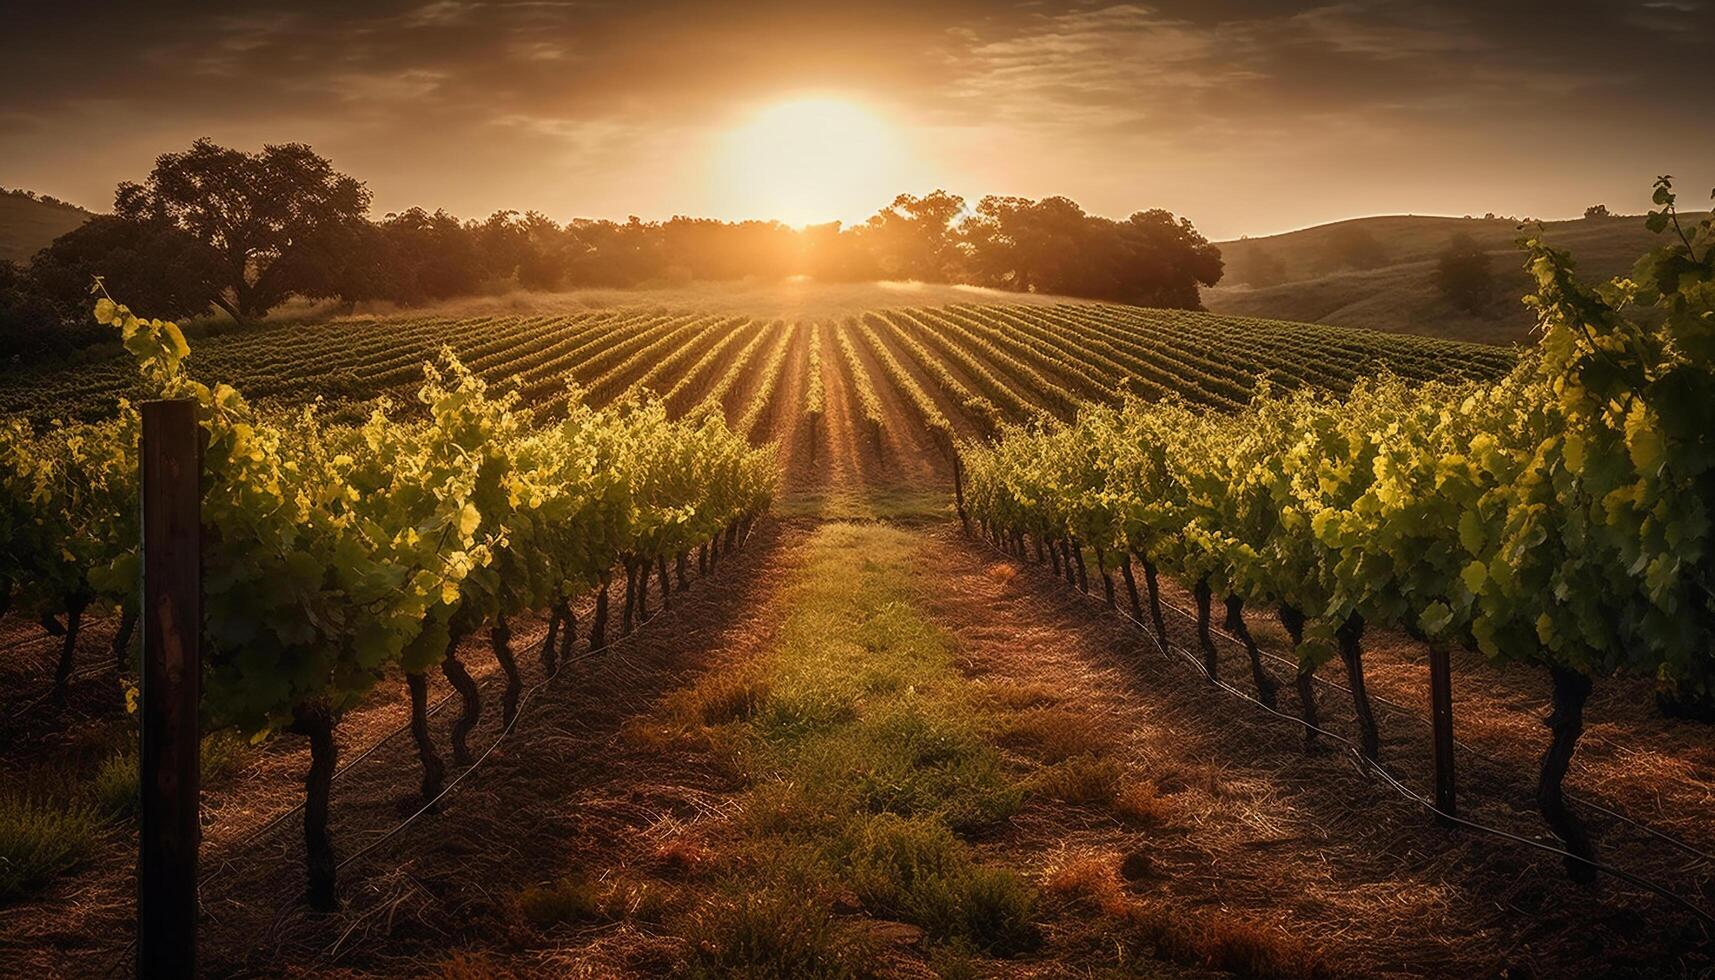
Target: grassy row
x,y
868,765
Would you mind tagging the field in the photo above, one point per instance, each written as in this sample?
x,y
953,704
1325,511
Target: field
x,y
865,742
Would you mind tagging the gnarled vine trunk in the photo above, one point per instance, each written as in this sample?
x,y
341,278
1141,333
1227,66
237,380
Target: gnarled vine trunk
x,y
1107,580
598,625
1083,570
666,583
434,770
471,702
681,570
316,722
1570,692
1206,643
1293,621
549,649
1351,635
1267,688
1150,581
68,647
630,598
1130,587
122,639
568,629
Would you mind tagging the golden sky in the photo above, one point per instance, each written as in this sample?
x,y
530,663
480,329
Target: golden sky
x,y
1247,117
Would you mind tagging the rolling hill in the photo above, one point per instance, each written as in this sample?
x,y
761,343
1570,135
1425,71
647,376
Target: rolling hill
x,y
28,224
1379,272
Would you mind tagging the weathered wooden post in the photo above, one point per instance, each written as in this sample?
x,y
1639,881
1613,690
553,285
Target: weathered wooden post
x,y
1441,724
959,492
171,469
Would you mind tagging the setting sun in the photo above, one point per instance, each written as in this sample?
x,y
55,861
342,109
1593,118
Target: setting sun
x,y
809,160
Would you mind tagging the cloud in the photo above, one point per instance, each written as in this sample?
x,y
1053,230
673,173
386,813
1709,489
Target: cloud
x,y
476,103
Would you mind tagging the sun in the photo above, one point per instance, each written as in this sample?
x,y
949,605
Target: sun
x,y
810,159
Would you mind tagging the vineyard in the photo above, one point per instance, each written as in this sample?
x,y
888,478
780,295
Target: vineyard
x,y
1154,504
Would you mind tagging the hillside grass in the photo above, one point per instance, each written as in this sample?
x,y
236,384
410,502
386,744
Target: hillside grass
x,y
27,227
1400,296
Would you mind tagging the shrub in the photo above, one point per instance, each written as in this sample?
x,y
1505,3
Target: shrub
x,y
1083,780
916,870
39,842
569,898
774,936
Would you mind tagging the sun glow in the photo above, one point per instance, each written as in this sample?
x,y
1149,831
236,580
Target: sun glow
x,y
810,160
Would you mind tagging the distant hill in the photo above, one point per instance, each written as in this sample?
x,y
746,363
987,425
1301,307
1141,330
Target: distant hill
x,y
28,223
1379,272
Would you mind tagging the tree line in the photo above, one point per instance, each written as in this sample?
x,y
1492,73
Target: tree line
x,y
216,227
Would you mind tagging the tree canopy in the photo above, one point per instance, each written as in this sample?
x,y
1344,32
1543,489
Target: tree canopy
x,y
243,231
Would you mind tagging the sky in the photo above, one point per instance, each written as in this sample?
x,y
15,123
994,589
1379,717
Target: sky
x,y
1248,117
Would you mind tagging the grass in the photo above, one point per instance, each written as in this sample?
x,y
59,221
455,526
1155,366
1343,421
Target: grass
x,y
1083,780
567,899
54,817
113,789
40,841
866,757
777,934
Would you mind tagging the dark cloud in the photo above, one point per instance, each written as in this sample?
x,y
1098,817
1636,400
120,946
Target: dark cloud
x,y
1248,115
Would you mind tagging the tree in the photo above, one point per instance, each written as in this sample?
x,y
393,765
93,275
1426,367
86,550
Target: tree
x,y
914,238
1596,211
1051,246
1463,274
1258,267
1352,247
153,261
257,211
430,256
27,319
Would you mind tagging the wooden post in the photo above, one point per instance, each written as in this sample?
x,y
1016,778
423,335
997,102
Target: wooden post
x,y
959,492
1441,723
172,686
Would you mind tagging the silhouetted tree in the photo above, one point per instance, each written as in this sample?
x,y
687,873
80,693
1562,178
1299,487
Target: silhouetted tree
x,y
1463,274
1052,246
255,210
152,264
1258,267
1351,247
914,237
1596,211
29,322
430,256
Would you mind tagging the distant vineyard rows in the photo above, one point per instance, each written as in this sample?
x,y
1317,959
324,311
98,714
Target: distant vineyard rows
x,y
961,368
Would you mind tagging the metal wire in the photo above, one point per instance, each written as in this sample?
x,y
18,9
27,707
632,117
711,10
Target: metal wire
x,y
523,703
1372,767
1413,715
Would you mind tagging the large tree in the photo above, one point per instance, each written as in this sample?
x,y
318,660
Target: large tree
x,y
151,263
1052,246
914,237
1463,274
256,211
